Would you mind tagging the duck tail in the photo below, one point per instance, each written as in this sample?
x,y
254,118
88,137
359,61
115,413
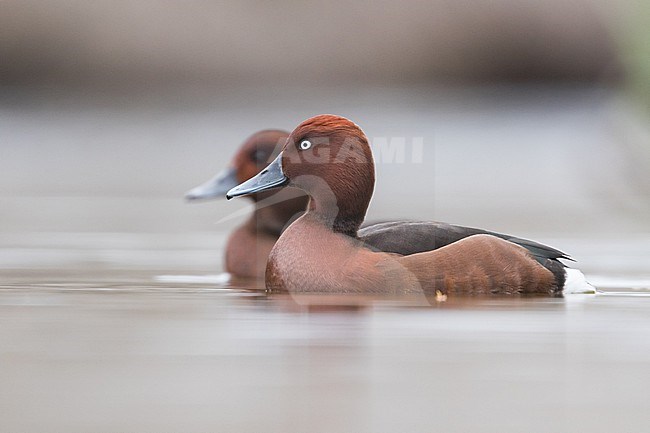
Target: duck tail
x,y
576,282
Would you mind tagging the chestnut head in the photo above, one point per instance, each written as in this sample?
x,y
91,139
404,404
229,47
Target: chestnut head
x,y
324,148
253,155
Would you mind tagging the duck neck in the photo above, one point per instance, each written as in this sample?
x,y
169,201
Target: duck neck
x,y
274,212
338,216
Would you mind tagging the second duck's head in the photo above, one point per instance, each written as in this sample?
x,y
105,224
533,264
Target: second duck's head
x,y
253,155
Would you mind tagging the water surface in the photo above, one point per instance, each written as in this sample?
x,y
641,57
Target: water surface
x,y
144,356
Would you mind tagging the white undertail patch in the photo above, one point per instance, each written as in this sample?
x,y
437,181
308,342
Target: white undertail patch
x,y
577,283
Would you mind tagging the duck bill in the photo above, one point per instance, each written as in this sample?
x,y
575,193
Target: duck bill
x,y
271,177
215,187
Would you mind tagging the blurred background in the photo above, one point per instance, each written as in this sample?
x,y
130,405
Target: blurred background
x,y
532,116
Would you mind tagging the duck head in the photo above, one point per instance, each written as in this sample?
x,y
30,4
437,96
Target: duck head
x,y
329,158
254,154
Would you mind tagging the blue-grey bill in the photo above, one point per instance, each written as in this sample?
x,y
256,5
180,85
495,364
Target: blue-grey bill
x,y
215,187
271,177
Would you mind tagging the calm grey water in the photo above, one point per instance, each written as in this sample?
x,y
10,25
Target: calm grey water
x,y
81,357
111,318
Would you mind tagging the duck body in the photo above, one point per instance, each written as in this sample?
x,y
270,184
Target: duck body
x,y
249,245
476,264
412,237
324,251
247,251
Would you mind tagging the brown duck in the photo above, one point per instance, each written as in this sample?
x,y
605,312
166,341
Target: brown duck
x,y
324,251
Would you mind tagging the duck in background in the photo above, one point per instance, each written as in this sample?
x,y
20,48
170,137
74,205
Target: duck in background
x,y
330,159
249,245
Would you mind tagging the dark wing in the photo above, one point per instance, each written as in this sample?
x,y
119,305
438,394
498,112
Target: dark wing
x,y
410,237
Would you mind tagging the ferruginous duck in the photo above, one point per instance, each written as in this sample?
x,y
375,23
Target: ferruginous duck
x,y
329,158
249,245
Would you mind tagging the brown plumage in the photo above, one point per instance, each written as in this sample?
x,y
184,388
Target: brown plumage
x,y
321,253
249,245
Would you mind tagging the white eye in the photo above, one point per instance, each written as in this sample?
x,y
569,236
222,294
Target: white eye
x,y
305,144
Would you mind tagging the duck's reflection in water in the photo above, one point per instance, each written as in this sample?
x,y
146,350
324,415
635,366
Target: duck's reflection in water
x,y
254,291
